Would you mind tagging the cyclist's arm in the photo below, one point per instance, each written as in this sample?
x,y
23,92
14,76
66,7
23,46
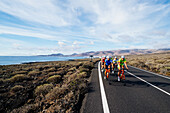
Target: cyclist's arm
x,y
126,65
104,64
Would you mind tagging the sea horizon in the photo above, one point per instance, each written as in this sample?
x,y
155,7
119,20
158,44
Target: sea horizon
x,y
11,60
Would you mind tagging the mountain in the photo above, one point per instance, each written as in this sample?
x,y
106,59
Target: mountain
x,y
123,52
114,52
58,55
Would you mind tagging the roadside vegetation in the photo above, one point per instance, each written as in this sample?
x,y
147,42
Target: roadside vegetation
x,y
44,87
158,63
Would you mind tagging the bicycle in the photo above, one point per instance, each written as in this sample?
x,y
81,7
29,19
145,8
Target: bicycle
x,y
115,68
107,72
121,74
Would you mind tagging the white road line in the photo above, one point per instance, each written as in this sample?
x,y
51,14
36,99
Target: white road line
x,y
149,83
103,95
151,72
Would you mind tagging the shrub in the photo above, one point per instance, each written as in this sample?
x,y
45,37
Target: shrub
x,y
168,73
20,72
16,88
72,69
54,79
1,80
69,73
83,69
82,75
56,93
51,73
18,78
51,69
86,65
43,89
33,73
61,72
73,76
83,88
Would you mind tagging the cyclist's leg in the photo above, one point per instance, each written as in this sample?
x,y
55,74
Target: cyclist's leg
x,y
108,71
119,72
102,65
123,76
114,66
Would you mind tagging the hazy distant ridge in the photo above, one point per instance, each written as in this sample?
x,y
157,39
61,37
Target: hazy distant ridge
x,y
115,52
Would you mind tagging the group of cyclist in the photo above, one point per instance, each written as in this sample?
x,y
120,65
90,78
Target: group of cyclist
x,y
108,63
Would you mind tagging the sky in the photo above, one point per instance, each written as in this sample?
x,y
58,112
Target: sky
x,y
40,27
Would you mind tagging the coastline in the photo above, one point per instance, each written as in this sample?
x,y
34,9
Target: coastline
x,y
14,60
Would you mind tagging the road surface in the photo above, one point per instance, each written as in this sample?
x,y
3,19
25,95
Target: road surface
x,y
142,92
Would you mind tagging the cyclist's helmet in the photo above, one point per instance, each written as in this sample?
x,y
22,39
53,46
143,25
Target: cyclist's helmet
x,y
108,56
115,57
122,56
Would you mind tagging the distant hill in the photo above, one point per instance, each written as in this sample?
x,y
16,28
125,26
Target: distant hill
x,y
123,52
59,55
114,52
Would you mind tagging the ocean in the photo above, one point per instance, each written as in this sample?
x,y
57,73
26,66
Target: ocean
x,y
8,60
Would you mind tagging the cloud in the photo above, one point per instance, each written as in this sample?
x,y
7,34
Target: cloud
x,y
61,44
74,24
47,12
92,42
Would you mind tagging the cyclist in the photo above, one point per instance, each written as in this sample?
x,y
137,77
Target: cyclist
x,y
102,62
121,63
115,63
107,65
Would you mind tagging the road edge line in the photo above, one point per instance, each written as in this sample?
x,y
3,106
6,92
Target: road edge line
x,y
151,72
103,94
149,83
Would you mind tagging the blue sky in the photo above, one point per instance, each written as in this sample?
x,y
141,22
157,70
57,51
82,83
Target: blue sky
x,y
35,27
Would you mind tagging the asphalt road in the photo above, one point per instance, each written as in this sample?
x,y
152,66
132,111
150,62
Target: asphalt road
x,y
130,96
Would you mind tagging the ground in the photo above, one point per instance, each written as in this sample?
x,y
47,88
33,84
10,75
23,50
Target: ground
x,y
158,63
45,86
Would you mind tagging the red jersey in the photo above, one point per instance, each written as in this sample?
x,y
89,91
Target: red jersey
x,y
103,59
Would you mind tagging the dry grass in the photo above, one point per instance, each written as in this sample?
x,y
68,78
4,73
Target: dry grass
x,y
54,79
82,69
158,63
43,89
18,78
82,75
34,73
56,93
17,88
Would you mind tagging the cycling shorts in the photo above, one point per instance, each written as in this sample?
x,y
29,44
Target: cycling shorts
x,y
108,66
120,67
